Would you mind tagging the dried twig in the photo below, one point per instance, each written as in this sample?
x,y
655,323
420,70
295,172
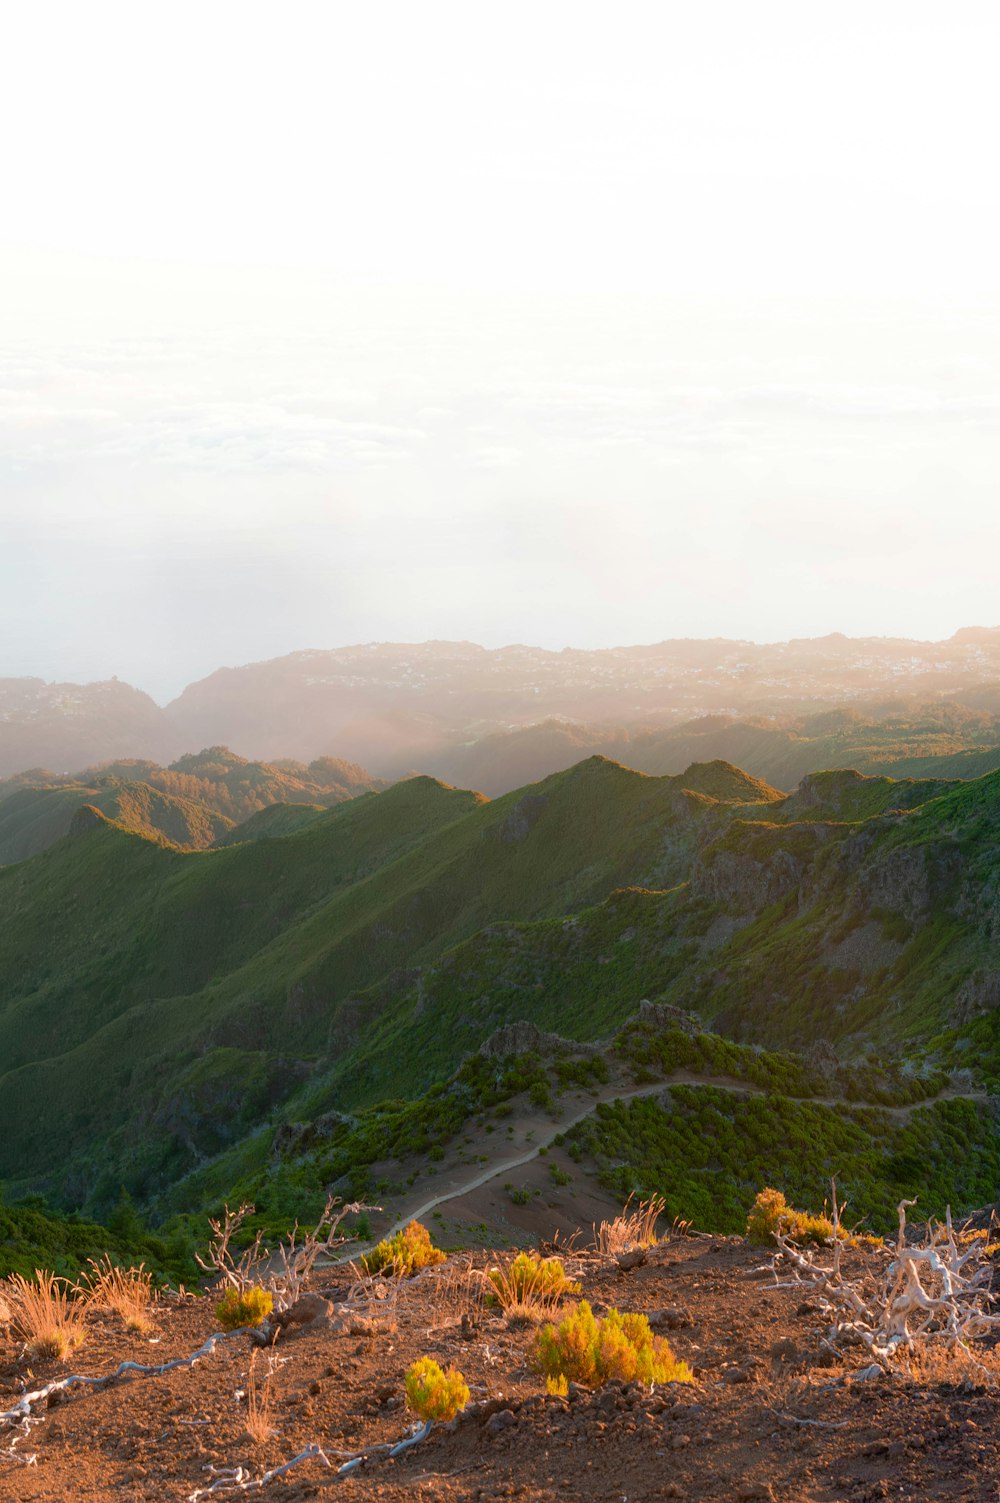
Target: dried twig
x,y
235,1273
28,1402
236,1479
925,1293
299,1251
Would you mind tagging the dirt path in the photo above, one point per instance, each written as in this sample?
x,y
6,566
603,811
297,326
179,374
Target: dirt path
x,y
416,1211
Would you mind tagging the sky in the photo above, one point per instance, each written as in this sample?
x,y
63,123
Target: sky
x,y
570,324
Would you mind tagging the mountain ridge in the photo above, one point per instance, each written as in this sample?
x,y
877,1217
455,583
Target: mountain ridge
x,y
397,706
169,1003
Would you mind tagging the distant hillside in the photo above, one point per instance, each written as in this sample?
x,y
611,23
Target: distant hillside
x,y
942,739
167,1005
435,706
31,819
397,706
192,804
70,725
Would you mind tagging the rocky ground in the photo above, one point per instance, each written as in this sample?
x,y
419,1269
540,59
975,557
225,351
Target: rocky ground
x,y
769,1416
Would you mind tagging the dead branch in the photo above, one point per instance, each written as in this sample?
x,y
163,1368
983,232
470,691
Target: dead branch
x,y
28,1402
297,1257
22,1431
236,1479
239,1274
794,1419
924,1293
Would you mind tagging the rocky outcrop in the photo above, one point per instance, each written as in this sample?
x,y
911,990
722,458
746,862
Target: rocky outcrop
x,y
524,1038
662,1015
977,995
522,818
739,878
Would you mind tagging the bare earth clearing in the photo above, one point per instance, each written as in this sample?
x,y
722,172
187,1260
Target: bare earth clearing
x,y
767,1417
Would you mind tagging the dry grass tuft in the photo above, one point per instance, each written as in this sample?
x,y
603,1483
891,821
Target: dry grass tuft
x,y
952,1364
459,1293
633,1228
528,1288
44,1314
373,1302
259,1420
128,1292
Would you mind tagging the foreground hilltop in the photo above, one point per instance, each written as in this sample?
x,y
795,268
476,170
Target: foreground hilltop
x,y
770,1413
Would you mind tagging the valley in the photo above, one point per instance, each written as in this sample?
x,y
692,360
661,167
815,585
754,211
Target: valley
x,y
180,1010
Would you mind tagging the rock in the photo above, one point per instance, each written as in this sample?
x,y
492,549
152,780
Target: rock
x,y
784,1350
523,1037
308,1310
504,1419
634,1258
667,1017
670,1318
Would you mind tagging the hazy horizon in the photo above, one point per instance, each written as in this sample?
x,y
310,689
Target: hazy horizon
x,y
499,326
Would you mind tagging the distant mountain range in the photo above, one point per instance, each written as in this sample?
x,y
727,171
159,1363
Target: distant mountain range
x,y
456,710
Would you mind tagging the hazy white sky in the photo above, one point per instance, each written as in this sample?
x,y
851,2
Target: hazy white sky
x,y
561,323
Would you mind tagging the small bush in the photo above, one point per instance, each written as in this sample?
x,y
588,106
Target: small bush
x,y
583,1349
403,1254
771,1213
239,1308
433,1394
43,1314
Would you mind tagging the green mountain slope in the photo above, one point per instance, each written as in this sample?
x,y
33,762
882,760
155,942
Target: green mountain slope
x,y
192,985
165,1004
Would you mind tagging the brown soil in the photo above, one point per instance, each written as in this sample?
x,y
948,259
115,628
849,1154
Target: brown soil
x,y
767,1418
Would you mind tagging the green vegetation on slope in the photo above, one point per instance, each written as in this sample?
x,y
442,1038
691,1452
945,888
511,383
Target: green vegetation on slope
x,y
32,1238
168,1005
708,1152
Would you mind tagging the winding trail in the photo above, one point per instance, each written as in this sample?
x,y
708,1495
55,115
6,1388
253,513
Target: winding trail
x,y
552,1130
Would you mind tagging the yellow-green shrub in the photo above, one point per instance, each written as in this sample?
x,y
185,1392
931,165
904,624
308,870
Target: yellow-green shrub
x,y
529,1279
771,1213
433,1394
403,1254
247,1307
584,1349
